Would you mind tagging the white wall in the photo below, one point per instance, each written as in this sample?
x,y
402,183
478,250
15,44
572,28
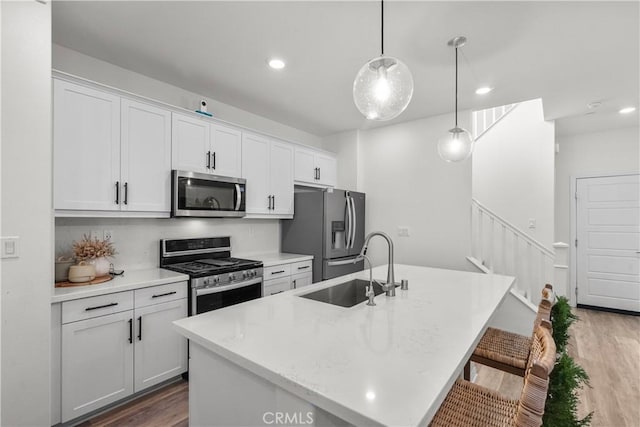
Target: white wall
x,y
407,184
345,145
513,170
26,212
137,240
590,154
76,63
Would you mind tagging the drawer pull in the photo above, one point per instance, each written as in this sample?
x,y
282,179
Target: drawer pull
x,y
101,306
279,292
302,268
164,295
277,272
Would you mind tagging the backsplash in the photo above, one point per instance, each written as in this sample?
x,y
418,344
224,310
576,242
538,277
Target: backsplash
x,y
137,240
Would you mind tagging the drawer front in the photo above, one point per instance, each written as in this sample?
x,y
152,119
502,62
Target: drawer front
x,y
87,308
272,287
277,271
162,293
302,267
301,280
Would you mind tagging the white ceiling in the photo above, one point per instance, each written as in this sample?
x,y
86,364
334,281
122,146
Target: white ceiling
x,y
568,53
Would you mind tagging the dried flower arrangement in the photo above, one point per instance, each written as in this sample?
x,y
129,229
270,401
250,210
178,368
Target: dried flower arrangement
x,y
87,248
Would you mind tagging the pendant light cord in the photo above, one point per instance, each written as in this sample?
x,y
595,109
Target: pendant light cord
x,y
456,86
382,27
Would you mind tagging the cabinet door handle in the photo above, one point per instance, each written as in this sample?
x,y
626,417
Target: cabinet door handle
x,y
274,202
164,295
140,328
214,160
126,193
269,206
277,272
117,192
130,331
302,268
319,174
208,159
101,306
294,285
315,173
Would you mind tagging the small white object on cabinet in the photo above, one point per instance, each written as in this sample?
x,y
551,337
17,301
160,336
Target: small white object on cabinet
x,y
267,165
118,344
205,147
315,167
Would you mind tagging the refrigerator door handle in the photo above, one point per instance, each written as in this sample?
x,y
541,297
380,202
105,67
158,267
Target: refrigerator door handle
x,y
354,223
349,221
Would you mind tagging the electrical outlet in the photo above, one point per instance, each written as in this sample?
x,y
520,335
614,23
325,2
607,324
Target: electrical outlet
x,y
96,234
107,235
403,231
532,223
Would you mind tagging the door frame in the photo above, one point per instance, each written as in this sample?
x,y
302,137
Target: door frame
x,y
573,259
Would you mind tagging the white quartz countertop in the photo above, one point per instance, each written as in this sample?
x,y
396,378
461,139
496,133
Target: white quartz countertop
x,y
391,364
131,279
276,258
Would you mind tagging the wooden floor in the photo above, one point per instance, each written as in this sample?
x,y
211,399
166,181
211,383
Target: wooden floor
x,y
606,345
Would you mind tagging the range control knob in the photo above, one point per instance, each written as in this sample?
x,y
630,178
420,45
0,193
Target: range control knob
x,y
216,280
232,277
252,273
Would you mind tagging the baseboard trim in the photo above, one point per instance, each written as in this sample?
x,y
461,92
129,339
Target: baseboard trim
x,y
609,310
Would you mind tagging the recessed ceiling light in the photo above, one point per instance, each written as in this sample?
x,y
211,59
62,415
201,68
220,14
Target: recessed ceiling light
x,y
627,110
276,64
483,90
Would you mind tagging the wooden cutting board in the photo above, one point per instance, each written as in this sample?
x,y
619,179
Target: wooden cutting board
x,y
95,281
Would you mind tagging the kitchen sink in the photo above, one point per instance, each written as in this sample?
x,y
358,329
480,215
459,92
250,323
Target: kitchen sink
x,y
345,294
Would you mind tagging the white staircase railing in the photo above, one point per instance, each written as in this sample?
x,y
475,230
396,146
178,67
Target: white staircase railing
x,y
500,247
483,120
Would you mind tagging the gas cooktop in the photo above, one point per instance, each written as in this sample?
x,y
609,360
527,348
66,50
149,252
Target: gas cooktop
x,y
211,266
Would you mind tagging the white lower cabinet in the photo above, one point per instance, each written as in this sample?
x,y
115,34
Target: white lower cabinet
x,y
159,354
287,275
118,344
97,363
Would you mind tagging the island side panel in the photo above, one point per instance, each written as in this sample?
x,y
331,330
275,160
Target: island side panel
x,y
222,393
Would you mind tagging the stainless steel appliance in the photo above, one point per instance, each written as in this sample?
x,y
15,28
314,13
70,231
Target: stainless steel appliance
x,y
216,279
329,226
202,195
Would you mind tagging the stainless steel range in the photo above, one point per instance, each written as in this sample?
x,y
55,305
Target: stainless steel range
x,y
216,279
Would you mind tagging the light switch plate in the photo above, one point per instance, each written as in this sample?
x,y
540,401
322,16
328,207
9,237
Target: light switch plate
x,y
9,247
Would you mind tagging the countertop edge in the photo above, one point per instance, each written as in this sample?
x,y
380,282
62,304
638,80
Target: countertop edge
x,y
110,287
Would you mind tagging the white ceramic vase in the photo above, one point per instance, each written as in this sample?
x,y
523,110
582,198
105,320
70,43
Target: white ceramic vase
x,y
102,266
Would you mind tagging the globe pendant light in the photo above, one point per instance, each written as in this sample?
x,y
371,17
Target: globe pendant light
x,y
383,87
457,144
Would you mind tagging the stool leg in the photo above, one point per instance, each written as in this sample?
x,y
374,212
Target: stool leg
x,y
467,371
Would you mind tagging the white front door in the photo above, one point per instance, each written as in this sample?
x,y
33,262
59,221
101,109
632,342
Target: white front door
x,y
608,247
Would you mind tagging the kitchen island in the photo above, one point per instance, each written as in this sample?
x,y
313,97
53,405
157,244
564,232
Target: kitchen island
x,y
287,358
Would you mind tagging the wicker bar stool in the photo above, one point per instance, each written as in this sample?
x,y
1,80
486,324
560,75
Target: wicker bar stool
x,y
508,351
471,405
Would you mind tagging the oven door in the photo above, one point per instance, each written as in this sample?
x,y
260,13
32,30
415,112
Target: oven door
x,y
201,195
208,299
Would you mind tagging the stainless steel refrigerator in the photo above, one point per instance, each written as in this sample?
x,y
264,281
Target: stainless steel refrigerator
x,y
329,226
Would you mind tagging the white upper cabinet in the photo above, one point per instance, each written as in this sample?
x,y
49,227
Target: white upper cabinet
x,y
315,167
267,166
190,144
226,151
205,147
86,147
145,152
111,154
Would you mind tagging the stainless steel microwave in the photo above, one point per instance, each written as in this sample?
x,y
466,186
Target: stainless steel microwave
x,y
203,195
